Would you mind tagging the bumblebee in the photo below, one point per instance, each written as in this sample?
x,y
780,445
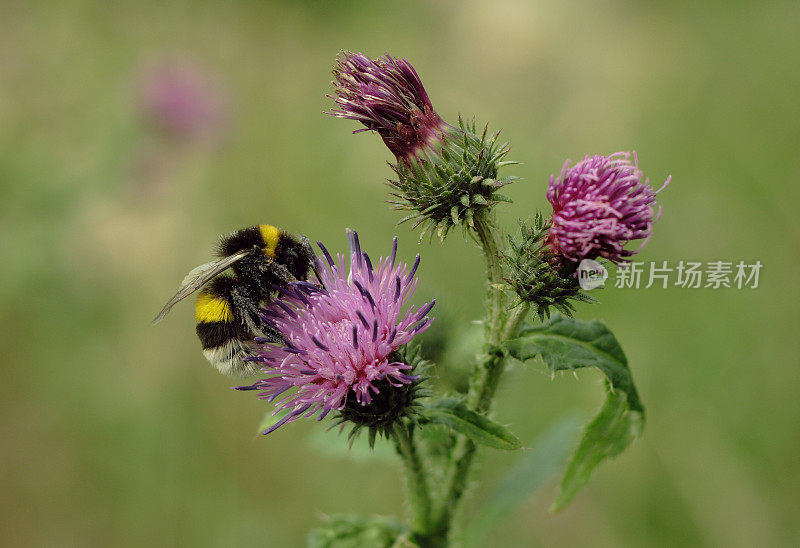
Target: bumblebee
x,y
261,258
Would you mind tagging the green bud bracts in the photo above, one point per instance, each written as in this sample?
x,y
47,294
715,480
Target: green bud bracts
x,y
449,183
392,401
537,275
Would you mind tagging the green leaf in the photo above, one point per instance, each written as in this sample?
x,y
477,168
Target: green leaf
x,y
608,435
567,344
534,468
479,428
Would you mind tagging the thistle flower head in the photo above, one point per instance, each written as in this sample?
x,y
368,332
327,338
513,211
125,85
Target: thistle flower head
x,y
446,175
386,95
599,205
342,340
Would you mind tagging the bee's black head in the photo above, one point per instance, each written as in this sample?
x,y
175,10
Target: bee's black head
x,y
294,255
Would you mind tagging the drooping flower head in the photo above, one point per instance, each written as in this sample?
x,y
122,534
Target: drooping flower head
x,y
341,339
387,96
599,205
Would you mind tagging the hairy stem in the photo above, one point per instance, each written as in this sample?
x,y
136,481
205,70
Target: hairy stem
x,y
419,494
486,375
486,235
514,323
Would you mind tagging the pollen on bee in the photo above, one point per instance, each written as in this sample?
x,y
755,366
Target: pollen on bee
x,y
271,235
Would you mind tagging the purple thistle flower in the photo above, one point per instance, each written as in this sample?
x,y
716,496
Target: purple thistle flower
x,y
340,338
600,205
387,96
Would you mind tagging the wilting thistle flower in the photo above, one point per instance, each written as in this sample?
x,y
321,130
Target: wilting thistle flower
x,y
387,96
342,341
446,175
599,205
179,100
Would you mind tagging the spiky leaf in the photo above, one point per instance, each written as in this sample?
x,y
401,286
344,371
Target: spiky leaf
x,y
479,428
568,344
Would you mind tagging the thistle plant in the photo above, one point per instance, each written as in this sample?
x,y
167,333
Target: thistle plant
x,y
539,276
180,102
348,339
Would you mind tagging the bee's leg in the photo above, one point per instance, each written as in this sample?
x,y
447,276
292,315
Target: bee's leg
x,y
281,273
312,258
248,304
273,335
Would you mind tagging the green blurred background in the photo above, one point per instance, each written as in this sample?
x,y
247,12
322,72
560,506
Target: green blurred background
x,y
117,432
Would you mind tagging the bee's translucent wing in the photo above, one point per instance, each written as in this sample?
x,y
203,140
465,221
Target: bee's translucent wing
x,y
198,277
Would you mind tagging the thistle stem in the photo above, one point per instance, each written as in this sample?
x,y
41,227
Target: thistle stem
x,y
419,494
486,236
486,376
515,322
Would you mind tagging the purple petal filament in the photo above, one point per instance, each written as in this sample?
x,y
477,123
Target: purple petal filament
x,y
599,205
387,96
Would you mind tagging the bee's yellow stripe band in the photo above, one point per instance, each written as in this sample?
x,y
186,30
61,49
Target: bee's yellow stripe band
x,y
271,236
209,309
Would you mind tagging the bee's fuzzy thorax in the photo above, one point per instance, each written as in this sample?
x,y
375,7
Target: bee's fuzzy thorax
x,y
246,238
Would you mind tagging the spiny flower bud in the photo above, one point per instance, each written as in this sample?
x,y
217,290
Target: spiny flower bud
x,y
537,275
600,205
450,185
446,175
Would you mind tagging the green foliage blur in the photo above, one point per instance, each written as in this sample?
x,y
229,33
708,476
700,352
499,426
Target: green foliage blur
x,y
116,432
